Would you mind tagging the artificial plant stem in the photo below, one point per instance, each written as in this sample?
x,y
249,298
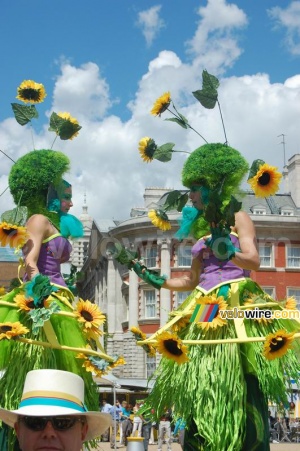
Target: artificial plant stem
x,y
53,142
7,156
222,122
186,123
19,201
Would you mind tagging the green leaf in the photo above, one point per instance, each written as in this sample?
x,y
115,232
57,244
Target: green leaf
x,y
208,95
229,211
255,167
64,128
164,153
175,200
123,255
24,113
182,122
16,216
67,130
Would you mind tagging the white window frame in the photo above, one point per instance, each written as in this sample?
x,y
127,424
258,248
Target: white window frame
x,y
271,291
295,292
288,257
181,297
184,256
150,365
149,304
150,256
263,256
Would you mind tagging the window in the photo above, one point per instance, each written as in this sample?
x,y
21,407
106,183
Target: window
x,y
150,303
295,292
181,296
150,365
270,291
150,257
266,255
184,255
258,210
293,256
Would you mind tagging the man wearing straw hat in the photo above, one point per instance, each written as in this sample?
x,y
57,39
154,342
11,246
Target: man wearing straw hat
x,y
52,414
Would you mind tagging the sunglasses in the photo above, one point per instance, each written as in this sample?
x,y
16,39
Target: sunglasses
x,y
58,423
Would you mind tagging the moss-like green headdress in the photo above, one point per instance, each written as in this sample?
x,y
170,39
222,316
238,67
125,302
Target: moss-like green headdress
x,y
31,176
215,166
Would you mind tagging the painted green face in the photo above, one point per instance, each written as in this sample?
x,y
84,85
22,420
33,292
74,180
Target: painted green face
x,y
66,200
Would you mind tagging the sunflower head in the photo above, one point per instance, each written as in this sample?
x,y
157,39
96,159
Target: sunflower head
x,y
64,125
217,320
139,335
24,303
31,92
171,347
90,315
159,219
161,104
277,344
12,330
147,147
264,179
13,235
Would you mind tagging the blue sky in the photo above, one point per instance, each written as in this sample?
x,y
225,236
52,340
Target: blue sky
x,y
106,61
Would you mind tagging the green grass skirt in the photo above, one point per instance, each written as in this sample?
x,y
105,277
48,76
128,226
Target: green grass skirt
x,y
17,358
223,390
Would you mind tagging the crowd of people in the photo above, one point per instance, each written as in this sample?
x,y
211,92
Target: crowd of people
x,y
127,421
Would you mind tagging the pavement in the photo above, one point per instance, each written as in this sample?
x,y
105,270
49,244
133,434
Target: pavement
x,y
104,446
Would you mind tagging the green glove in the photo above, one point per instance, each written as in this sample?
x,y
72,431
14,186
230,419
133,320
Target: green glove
x,y
149,276
221,244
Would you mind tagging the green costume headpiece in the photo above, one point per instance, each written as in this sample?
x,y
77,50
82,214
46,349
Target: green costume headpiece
x,y
215,166
31,176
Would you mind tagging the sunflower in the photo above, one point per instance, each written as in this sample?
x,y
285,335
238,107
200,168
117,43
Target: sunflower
x,y
11,330
291,303
160,219
266,181
139,335
181,324
70,122
12,235
32,92
161,104
90,315
147,147
2,291
217,321
171,347
277,344
89,366
25,304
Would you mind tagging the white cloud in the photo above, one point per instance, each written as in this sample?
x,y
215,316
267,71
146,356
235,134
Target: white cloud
x,y
105,162
150,23
214,45
288,19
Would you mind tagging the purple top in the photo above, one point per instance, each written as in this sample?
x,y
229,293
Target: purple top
x,y
214,271
54,251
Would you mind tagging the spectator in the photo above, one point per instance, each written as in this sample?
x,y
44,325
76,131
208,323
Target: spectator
x,y
115,412
105,409
137,421
57,417
126,424
164,430
179,429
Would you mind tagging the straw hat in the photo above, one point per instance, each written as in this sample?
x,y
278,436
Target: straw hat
x,y
55,393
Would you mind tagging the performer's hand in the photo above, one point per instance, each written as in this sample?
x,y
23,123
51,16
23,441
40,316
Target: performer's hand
x,y
151,277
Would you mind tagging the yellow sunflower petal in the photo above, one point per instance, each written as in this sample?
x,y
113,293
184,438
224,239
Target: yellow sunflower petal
x,y
277,344
161,104
147,147
171,347
32,92
13,235
159,219
291,303
266,181
11,330
217,321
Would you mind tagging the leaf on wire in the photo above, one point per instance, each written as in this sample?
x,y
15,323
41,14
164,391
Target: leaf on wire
x,y
164,153
175,200
16,216
24,113
122,255
64,128
182,121
255,167
208,95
